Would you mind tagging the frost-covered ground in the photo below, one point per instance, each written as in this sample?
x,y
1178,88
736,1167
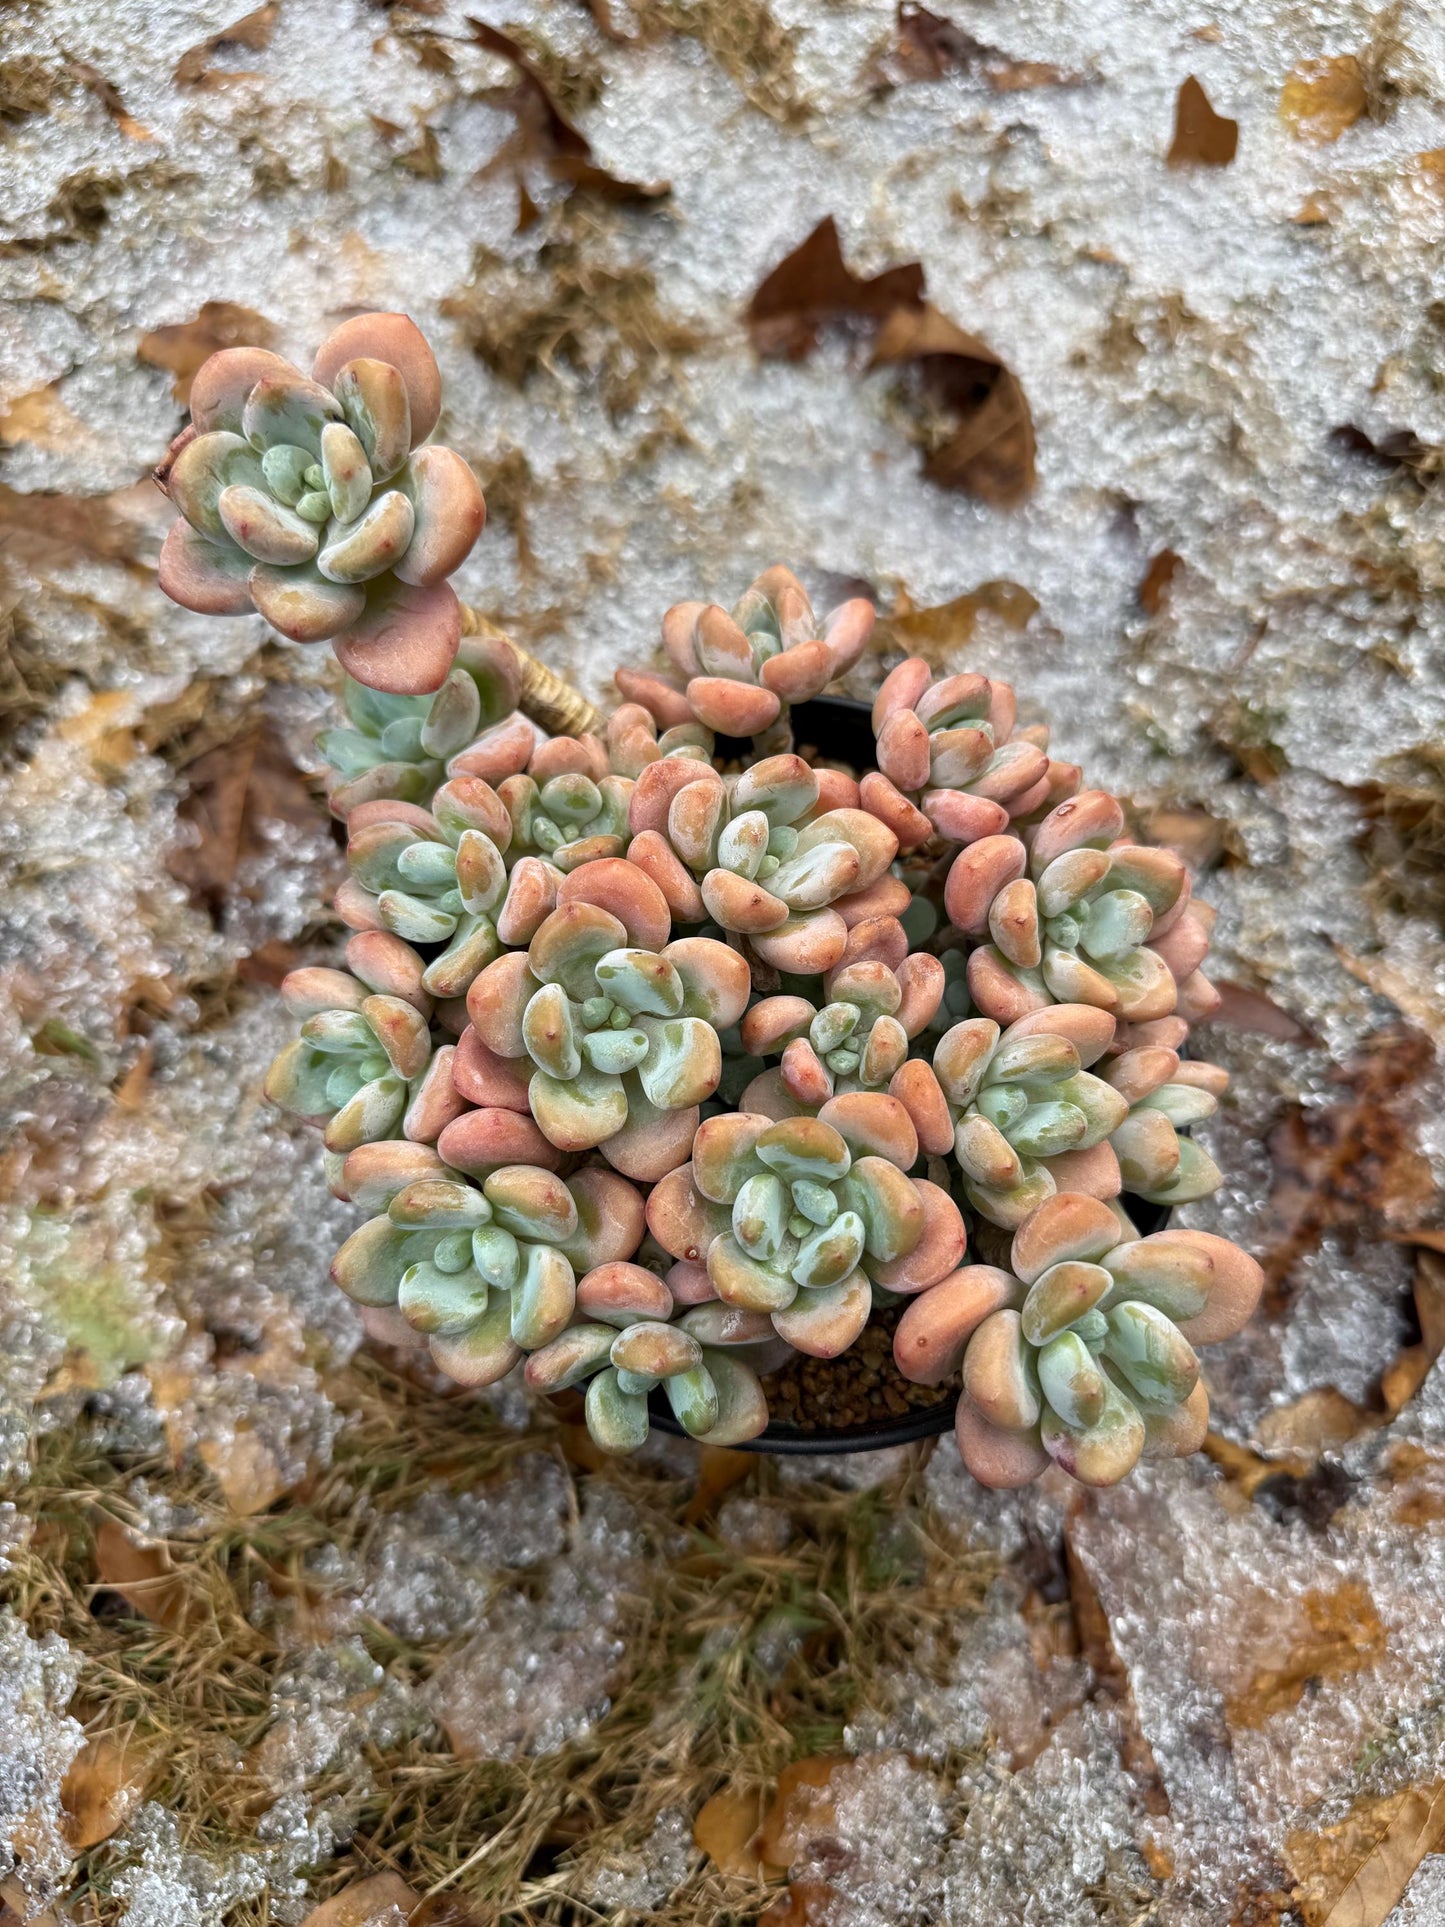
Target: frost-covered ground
x,y
1245,1736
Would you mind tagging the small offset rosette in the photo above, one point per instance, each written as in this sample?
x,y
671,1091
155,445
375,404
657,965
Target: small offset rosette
x,y
1078,914
487,1272
951,762
319,502
741,671
1083,1352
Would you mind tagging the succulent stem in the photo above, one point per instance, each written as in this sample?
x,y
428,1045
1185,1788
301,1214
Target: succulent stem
x,y
544,696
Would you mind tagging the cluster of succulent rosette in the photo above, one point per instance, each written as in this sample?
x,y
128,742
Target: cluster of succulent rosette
x,y
654,1064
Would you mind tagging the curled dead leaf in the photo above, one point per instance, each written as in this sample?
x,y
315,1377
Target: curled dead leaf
x,y
814,287
143,1575
252,31
976,429
965,407
1202,138
928,47
180,347
544,133
103,1785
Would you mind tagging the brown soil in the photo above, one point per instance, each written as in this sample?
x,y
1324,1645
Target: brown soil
x,y
862,1387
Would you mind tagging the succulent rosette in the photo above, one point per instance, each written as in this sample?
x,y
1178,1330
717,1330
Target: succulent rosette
x,y
949,760
395,748
1019,1109
618,1024
763,857
798,1218
567,807
1069,916
625,1345
859,1038
1083,1352
432,877
363,1067
1165,1097
741,670
319,502
487,1272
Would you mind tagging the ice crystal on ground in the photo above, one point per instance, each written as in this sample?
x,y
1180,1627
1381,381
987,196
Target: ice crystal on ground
x,y
38,1741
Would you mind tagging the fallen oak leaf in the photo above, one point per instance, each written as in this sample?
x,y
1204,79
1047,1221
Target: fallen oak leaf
x,y
181,347
1241,1008
1342,1632
814,285
252,31
144,1576
1355,1874
544,132
978,431
1202,138
800,1806
726,1830
103,1785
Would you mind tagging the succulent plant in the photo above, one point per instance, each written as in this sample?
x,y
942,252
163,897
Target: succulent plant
x,y
363,1067
1164,1097
761,857
949,761
742,669
314,501
567,806
489,1272
395,748
861,1035
797,1218
1020,1111
1083,1353
619,1024
432,877
1069,917
624,1347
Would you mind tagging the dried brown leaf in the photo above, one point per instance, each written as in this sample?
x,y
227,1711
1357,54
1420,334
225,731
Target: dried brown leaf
x,y
142,1575
1096,1644
1202,138
1321,98
1244,1009
814,286
1350,1163
800,1806
382,1901
937,634
1154,589
181,347
108,94
726,1830
103,1785
965,407
1342,1633
544,133
719,1470
233,790
926,47
1355,1873
1407,1372
252,31
978,433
